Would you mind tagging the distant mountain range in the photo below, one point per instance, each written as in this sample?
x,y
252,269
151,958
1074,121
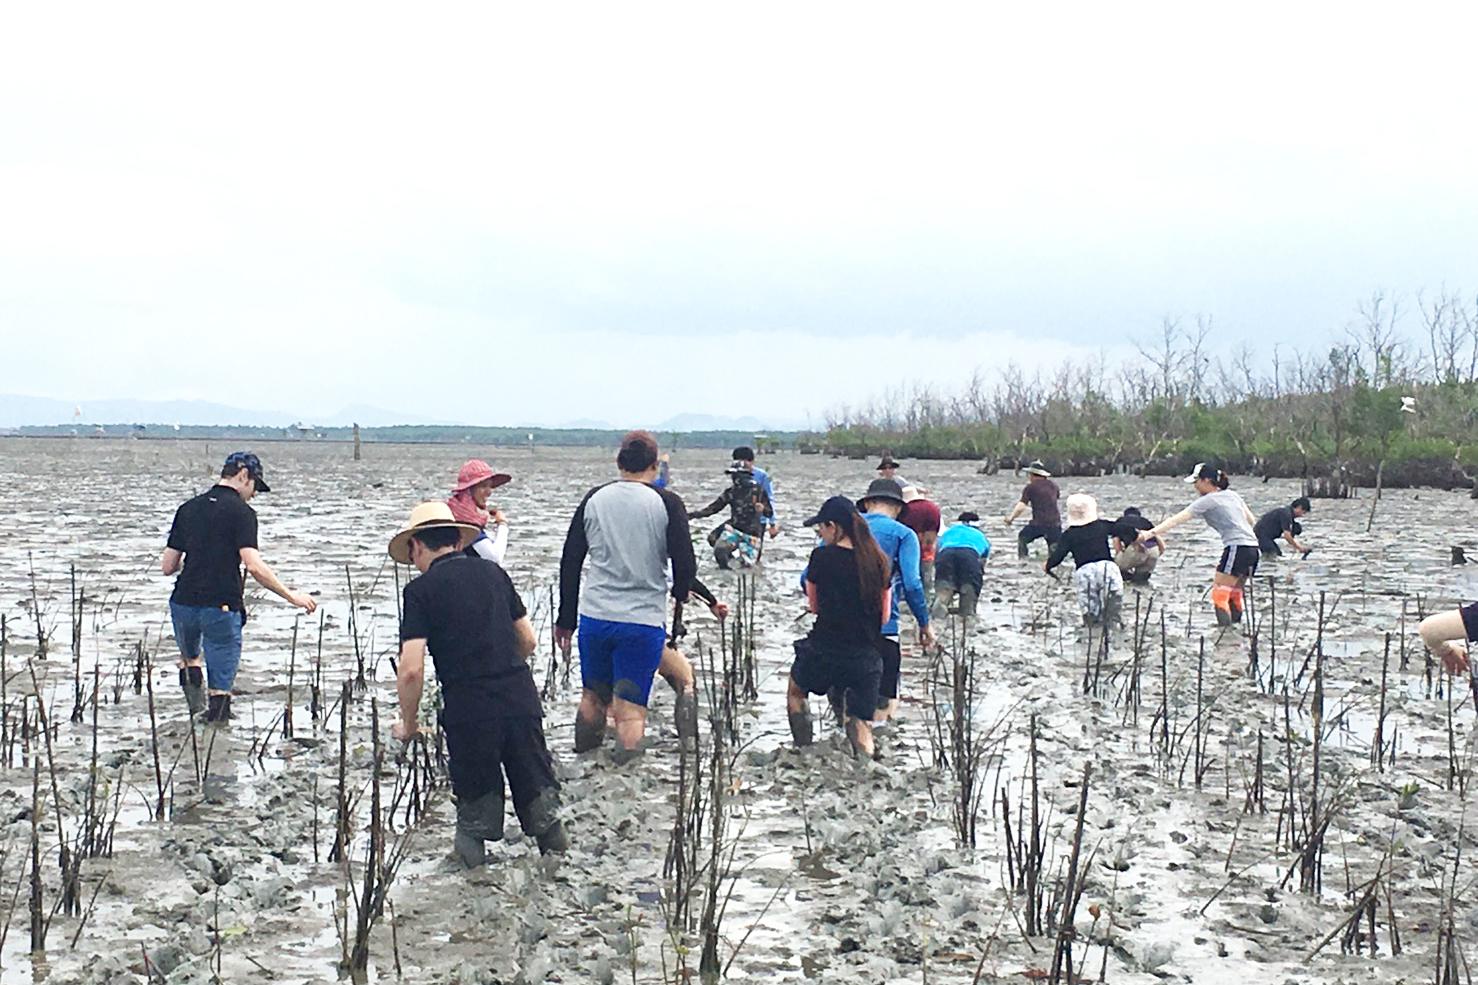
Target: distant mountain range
x,y
22,411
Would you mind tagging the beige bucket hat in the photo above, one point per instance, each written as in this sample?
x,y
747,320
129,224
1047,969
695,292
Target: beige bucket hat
x,y
1081,509
427,516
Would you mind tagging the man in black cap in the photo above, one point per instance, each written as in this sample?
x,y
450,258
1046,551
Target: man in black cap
x,y
213,536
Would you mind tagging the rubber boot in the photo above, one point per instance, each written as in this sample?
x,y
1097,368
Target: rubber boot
x,y
478,821
219,709
192,682
686,714
545,825
723,553
588,735
800,727
1221,597
620,755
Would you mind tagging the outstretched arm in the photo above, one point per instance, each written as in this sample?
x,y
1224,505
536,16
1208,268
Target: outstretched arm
x,y
711,508
264,576
1166,525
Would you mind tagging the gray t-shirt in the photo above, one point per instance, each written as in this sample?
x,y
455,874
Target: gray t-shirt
x,y
628,531
1225,513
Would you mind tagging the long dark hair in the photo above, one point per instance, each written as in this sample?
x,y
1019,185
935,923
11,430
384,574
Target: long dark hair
x,y
873,570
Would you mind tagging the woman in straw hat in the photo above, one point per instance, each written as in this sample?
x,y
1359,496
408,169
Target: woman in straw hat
x,y
467,613
1098,580
469,504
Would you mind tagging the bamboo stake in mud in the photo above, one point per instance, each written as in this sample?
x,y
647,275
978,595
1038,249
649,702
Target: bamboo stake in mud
x,y
292,664
1062,955
341,821
1378,741
42,643
38,923
75,598
154,745
5,688
315,690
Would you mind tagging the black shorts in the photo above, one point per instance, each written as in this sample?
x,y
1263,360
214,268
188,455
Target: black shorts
x,y
855,669
1470,621
892,670
1239,562
481,753
957,567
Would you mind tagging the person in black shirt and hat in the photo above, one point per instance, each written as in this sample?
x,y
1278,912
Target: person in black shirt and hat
x,y
466,611
749,511
212,537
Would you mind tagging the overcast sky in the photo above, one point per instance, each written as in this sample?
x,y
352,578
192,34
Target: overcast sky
x,y
531,213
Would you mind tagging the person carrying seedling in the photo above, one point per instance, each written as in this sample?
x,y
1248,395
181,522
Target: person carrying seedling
x,y
465,611
214,536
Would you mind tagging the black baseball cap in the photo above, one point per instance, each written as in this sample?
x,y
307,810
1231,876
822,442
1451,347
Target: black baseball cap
x,y
238,460
969,516
837,509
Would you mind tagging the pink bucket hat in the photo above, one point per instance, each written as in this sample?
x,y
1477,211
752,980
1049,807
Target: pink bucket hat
x,y
475,471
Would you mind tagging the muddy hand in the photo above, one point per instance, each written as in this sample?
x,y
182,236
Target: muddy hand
x,y
565,638
1454,658
404,733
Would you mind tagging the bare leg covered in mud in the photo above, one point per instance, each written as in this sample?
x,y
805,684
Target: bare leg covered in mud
x,y
590,725
677,671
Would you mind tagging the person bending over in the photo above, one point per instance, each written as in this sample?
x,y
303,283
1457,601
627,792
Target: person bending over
x,y
1447,635
960,569
1282,523
1099,582
749,511
465,611
1136,559
1226,513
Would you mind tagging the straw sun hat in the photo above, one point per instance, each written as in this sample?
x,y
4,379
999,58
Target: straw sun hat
x,y
427,516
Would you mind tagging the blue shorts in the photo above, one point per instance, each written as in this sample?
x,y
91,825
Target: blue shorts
x,y
619,659
218,632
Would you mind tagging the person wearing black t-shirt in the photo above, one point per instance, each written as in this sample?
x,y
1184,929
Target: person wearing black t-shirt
x,y
1281,523
1098,580
1136,558
212,537
847,586
467,613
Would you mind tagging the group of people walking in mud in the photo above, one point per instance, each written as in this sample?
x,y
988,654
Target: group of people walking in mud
x,y
627,570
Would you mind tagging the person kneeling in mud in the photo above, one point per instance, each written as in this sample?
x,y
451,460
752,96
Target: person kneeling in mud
x,y
467,613
749,511
1098,580
959,569
1447,634
847,587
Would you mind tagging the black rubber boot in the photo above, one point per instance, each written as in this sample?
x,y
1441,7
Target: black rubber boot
x,y
620,755
545,825
588,735
800,727
219,709
478,821
192,682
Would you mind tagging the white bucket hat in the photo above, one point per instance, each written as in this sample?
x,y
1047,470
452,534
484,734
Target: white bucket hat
x,y
1081,509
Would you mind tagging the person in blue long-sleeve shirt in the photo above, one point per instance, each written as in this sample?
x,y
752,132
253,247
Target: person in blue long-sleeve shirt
x,y
880,506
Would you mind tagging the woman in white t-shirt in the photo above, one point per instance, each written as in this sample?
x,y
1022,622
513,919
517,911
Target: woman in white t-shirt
x,y
1226,513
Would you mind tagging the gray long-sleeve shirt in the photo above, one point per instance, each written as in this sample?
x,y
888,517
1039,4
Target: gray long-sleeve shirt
x,y
629,531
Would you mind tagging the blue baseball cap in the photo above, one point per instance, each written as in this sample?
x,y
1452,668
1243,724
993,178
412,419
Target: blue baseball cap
x,y
238,460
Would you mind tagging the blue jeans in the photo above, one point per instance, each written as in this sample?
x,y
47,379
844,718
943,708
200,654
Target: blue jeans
x,y
218,631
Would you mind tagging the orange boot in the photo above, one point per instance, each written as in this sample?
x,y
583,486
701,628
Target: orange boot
x,y
1221,598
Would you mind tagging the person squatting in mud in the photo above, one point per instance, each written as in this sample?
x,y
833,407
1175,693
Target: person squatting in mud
x,y
629,531
212,537
880,507
1098,580
1282,523
847,583
1447,635
466,612
1226,513
1040,495
1136,558
960,570
469,504
750,512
